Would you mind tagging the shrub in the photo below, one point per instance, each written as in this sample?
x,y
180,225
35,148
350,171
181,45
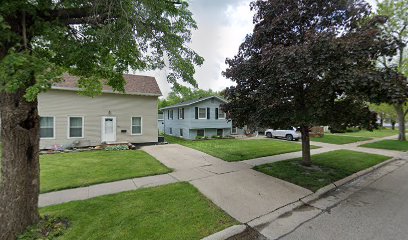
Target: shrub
x,y
47,228
201,138
117,148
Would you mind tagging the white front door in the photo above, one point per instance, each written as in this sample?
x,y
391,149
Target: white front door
x,y
108,129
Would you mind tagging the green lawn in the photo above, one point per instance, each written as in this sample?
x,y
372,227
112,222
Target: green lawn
x,y
237,150
338,139
69,170
379,133
175,211
327,168
388,144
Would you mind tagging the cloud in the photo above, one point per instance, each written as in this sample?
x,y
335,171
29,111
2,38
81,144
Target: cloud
x,y
222,27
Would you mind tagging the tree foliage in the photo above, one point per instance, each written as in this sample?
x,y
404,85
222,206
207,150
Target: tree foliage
x,y
386,112
94,39
305,64
394,88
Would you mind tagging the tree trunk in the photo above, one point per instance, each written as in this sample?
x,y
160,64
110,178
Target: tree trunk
x,y
306,159
19,179
393,125
401,121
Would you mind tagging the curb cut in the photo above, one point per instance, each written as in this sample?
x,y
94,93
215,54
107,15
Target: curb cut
x,y
226,233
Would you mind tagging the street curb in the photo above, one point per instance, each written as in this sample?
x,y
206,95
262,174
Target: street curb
x,y
332,186
226,233
237,229
314,196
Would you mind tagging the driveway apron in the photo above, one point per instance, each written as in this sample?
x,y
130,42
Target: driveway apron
x,y
243,193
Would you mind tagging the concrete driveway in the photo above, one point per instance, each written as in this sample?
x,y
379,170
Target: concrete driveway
x,y
243,193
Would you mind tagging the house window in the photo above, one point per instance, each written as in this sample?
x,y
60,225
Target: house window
x,y
220,132
181,132
136,125
170,131
202,113
200,132
171,114
221,114
76,127
181,113
47,126
234,130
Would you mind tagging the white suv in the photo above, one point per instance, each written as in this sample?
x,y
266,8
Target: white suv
x,y
289,135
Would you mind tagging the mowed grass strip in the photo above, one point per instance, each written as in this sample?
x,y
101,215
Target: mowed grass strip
x,y
70,170
175,211
389,145
378,133
327,168
338,139
232,150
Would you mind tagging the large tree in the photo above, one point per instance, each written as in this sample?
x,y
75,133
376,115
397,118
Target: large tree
x,y
97,40
396,27
303,65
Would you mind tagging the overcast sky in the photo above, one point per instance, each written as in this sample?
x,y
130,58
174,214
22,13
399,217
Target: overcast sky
x,y
222,26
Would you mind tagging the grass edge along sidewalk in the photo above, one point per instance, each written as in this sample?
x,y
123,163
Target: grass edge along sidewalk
x,y
327,168
232,150
173,211
394,145
70,170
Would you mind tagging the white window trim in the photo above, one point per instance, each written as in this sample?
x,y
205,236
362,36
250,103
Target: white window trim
x,y
83,127
224,114
170,131
205,113
54,129
236,130
141,126
179,113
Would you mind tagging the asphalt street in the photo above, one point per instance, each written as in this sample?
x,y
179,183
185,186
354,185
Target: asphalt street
x,y
376,212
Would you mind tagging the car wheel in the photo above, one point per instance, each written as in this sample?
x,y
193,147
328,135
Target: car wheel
x,y
269,135
289,137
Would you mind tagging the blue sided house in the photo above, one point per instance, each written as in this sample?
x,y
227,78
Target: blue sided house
x,y
200,117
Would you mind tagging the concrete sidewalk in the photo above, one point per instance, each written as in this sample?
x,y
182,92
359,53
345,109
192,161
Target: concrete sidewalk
x,y
58,197
243,193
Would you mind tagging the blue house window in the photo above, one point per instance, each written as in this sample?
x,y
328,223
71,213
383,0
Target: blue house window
x,y
202,113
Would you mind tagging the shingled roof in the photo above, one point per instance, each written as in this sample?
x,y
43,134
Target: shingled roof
x,y
135,85
191,102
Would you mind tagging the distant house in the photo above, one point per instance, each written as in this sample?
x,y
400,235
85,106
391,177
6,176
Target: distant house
x,y
199,117
69,119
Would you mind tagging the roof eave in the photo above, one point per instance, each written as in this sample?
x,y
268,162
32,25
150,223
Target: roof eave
x,y
188,104
108,91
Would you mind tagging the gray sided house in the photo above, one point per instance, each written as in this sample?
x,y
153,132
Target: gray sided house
x,y
199,117
70,119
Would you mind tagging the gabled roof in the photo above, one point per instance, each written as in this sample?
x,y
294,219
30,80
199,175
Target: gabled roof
x,y
135,85
191,102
